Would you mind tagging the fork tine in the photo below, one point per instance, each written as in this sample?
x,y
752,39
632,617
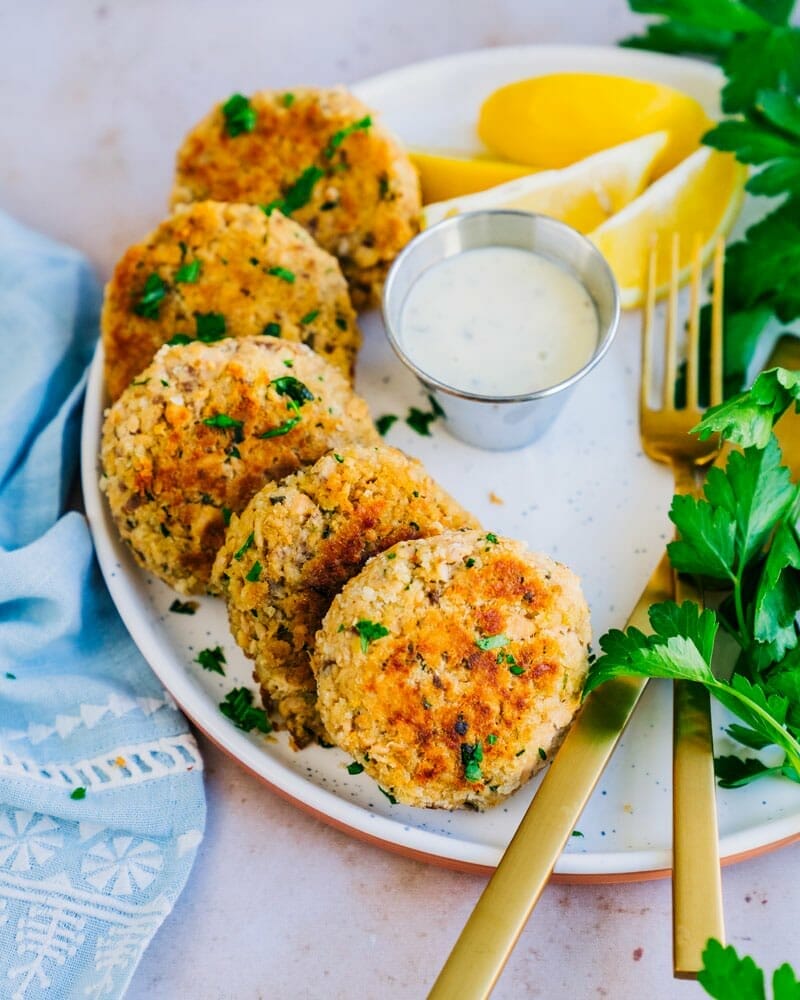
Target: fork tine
x,y
648,322
670,345
693,343
716,323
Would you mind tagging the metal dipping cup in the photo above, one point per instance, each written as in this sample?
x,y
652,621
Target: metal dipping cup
x,y
499,423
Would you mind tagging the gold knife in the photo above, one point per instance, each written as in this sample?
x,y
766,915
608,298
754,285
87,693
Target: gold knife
x,y
483,948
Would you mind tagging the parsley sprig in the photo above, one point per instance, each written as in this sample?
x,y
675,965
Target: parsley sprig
x,y
759,52
742,539
725,975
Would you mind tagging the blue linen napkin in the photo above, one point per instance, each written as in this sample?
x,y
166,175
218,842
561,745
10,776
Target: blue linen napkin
x,y
101,795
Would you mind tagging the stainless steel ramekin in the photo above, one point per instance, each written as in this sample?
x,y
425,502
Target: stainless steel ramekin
x,y
502,422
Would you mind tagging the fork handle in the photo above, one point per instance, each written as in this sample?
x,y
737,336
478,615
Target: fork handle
x,y
696,877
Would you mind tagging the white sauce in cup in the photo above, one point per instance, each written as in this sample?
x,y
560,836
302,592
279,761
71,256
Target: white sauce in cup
x,y
498,321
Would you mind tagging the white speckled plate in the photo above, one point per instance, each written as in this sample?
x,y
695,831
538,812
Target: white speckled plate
x,y
585,494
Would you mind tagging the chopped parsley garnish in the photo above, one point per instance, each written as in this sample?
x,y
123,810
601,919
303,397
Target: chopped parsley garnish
x,y
309,317
255,572
338,137
281,429
282,272
388,795
287,363
369,631
384,423
542,753
211,659
288,99
516,669
272,330
179,339
341,322
155,288
189,273
338,458
420,421
240,115
225,422
246,544
183,607
491,641
491,739
78,793
435,407
292,387
298,195
577,833
491,537
471,757
226,516
391,555
238,707
209,327
141,381
469,562
355,768
519,753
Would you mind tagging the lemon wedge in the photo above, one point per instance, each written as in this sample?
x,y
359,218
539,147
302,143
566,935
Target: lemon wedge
x,y
700,197
444,174
554,120
583,195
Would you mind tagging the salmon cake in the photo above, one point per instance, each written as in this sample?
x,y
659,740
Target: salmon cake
x,y
215,270
203,429
451,667
311,533
317,155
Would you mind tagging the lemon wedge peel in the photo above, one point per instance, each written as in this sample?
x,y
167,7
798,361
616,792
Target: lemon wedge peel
x,y
583,195
445,174
554,120
701,196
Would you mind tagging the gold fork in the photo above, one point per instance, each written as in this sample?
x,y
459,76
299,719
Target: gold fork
x,y
696,881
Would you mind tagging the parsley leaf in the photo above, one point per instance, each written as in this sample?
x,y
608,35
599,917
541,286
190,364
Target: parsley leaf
x,y
298,194
77,794
240,115
338,138
254,574
748,418
246,544
189,273
492,641
281,429
226,422
292,387
369,632
210,327
725,975
471,759
212,659
384,423
283,273
150,300
420,421
238,707
309,317
680,648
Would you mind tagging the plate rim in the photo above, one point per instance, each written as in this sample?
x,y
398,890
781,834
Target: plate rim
x,y
356,820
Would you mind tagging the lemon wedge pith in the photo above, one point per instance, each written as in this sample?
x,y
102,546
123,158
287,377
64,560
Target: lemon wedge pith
x,y
444,174
554,120
584,195
700,197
